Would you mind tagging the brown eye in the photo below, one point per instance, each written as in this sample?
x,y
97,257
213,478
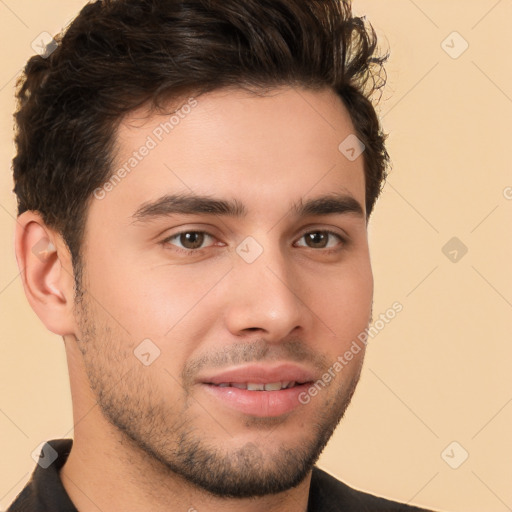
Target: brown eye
x,y
189,240
192,240
316,240
320,239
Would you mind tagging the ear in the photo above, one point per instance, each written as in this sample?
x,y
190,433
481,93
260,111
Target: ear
x,y
44,261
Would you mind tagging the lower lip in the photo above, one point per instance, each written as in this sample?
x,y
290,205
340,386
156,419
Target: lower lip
x,y
262,404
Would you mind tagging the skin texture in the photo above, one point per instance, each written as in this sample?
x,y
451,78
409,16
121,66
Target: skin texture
x,y
155,433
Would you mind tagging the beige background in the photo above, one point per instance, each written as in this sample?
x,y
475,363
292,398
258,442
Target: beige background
x,y
440,371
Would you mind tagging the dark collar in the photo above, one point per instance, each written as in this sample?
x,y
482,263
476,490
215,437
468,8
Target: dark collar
x,y
44,492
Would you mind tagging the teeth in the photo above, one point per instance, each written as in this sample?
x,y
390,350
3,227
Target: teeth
x,y
253,386
273,386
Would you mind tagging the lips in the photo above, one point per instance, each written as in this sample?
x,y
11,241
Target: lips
x,y
258,390
259,374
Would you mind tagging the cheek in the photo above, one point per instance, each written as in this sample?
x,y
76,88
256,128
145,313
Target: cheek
x,y
343,299
152,300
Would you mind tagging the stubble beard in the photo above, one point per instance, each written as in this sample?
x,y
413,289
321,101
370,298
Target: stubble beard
x,y
170,440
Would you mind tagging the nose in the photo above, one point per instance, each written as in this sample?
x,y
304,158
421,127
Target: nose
x,y
266,296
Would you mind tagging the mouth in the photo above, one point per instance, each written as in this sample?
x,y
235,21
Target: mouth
x,y
260,391
258,386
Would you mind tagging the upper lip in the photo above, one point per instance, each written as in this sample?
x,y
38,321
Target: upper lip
x,y
260,374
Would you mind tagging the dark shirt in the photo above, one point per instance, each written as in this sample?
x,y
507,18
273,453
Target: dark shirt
x,y
45,493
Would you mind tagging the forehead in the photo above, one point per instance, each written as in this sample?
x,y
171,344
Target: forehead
x,y
264,151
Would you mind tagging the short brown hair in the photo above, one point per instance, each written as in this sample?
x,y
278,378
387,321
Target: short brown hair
x,y
118,55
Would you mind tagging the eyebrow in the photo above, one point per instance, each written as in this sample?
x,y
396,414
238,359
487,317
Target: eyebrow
x,y
191,204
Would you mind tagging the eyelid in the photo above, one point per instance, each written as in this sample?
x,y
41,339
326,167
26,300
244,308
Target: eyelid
x,y
335,230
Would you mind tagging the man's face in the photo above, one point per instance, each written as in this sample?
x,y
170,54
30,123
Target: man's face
x,y
261,296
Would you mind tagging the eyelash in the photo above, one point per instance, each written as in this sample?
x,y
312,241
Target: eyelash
x,y
195,252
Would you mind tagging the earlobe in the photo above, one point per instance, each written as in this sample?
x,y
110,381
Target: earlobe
x,y
46,271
